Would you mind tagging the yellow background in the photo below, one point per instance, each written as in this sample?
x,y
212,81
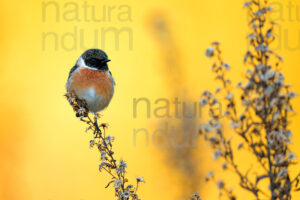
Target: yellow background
x,y
43,147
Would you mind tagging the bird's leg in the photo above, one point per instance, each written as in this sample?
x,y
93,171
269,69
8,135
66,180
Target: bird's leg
x,y
95,132
97,129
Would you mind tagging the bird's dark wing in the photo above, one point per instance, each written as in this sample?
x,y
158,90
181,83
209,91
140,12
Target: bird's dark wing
x,y
70,74
112,77
72,70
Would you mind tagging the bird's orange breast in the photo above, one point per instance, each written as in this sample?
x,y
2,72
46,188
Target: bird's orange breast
x,y
85,78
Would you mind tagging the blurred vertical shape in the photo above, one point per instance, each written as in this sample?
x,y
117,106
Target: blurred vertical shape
x,y
181,150
12,123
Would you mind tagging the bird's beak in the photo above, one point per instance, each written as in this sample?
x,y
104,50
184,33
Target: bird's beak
x,y
107,60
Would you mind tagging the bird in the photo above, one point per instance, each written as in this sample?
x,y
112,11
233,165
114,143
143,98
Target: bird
x,y
91,80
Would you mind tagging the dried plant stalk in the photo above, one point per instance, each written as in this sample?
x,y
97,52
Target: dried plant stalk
x,y
103,142
262,123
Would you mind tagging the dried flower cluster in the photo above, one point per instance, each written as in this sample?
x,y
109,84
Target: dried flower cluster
x,y
195,196
261,119
103,142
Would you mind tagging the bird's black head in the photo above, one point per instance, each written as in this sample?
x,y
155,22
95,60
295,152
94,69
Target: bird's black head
x,y
95,58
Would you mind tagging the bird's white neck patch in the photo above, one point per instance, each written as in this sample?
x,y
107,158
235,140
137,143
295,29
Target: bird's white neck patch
x,y
81,63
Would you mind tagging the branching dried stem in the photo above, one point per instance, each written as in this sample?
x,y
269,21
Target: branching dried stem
x,y
262,122
103,142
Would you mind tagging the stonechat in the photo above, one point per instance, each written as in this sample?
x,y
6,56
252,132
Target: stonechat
x,y
91,80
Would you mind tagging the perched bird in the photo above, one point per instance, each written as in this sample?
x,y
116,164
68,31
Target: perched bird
x,y
91,80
